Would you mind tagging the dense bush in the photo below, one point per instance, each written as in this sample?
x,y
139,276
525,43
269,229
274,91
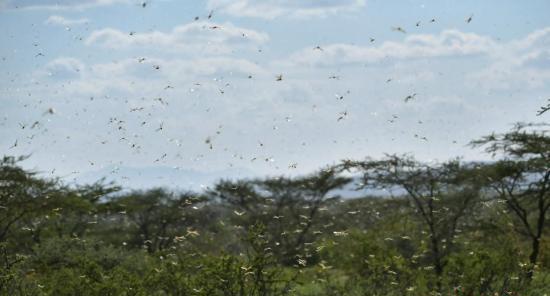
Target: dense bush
x,y
455,228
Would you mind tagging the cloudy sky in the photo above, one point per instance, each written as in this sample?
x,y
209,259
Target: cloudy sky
x,y
167,89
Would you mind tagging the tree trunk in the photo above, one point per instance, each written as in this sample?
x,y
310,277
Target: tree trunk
x,y
535,247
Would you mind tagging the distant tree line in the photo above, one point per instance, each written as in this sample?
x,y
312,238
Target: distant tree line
x,y
451,228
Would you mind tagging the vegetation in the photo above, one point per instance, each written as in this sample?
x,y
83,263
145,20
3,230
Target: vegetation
x,y
452,228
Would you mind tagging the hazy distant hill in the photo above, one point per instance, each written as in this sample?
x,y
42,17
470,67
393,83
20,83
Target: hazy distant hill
x,y
161,176
183,179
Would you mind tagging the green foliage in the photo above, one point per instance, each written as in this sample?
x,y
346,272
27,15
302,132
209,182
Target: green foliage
x,y
452,228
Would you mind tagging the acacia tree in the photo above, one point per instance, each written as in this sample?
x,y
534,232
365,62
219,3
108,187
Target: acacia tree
x,y
521,178
441,195
33,207
70,211
288,207
22,195
156,216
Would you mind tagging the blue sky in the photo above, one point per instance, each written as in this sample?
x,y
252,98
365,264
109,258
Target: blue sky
x,y
108,86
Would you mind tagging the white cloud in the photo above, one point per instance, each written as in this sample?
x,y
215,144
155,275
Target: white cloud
x,y
270,9
193,37
539,38
171,69
501,65
519,63
63,68
522,63
62,21
124,75
57,4
447,43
